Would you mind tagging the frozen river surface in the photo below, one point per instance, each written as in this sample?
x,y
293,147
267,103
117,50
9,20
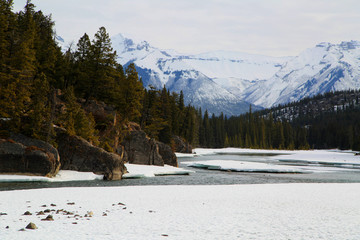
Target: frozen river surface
x,y
237,166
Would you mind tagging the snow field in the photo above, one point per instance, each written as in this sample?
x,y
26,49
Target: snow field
x,y
270,211
134,171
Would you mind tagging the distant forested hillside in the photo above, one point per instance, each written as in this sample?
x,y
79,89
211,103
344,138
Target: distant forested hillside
x,y
40,86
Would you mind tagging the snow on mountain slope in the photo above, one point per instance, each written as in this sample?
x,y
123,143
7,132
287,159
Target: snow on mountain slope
x,y
327,67
224,81
213,81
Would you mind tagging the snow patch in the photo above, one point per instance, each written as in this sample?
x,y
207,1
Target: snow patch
x,y
140,171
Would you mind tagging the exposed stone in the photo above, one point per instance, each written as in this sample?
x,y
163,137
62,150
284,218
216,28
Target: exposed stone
x,y
35,142
89,214
167,154
48,218
141,149
28,156
40,213
181,145
27,213
99,110
31,226
79,155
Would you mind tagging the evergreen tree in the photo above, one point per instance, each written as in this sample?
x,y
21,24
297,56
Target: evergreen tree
x,y
40,109
130,95
76,120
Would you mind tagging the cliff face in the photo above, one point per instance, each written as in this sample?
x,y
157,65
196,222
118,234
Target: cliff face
x,y
141,149
23,155
79,155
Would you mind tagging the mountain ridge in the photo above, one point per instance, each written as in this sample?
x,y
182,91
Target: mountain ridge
x,y
218,93
228,81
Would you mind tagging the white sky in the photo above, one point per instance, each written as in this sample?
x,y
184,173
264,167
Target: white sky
x,y
268,27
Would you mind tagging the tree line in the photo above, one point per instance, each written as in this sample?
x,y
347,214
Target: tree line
x,y
33,69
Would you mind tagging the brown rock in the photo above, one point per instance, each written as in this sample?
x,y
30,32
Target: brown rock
x,y
79,155
23,155
89,214
167,154
48,218
99,110
141,149
181,145
31,226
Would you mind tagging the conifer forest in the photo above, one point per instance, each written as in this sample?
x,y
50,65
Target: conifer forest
x,y
34,71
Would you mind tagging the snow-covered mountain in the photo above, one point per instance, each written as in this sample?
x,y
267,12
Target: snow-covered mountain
x,y
326,67
228,82
214,81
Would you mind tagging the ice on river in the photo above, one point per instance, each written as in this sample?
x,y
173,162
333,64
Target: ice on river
x,y
241,166
328,160
139,171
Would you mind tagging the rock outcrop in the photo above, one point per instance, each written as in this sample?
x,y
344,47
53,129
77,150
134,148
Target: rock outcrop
x,y
142,150
28,156
167,154
181,145
27,141
99,110
79,155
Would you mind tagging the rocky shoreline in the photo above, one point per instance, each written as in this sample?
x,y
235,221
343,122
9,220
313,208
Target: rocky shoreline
x,y
26,156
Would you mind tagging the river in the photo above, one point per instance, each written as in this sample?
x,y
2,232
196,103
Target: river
x,y
214,177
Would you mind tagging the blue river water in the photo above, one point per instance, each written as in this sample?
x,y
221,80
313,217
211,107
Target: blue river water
x,y
208,177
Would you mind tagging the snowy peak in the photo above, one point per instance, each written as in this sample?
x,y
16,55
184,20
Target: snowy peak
x,y
124,44
350,45
221,81
326,67
200,76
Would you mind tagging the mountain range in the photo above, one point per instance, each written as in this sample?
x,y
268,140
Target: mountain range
x,y
228,82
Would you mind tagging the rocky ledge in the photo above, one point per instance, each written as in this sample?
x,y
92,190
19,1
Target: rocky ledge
x,y
143,150
79,155
23,155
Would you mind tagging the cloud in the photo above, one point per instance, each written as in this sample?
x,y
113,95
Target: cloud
x,y
272,27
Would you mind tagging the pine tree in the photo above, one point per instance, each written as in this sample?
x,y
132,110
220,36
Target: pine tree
x,y
165,133
82,67
40,109
131,93
7,23
76,120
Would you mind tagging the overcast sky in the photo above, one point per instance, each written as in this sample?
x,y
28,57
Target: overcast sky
x,y
268,27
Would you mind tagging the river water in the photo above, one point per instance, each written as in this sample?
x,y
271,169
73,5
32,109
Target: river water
x,y
211,177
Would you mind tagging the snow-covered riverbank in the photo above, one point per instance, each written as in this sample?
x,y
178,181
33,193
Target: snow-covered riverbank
x,y
269,211
134,171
